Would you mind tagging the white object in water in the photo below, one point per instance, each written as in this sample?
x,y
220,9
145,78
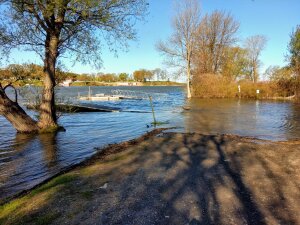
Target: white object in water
x,y
257,91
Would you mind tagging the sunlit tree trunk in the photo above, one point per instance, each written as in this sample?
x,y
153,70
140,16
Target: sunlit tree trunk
x,y
16,115
180,47
47,108
189,95
60,27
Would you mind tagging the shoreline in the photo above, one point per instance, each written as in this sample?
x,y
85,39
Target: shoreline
x,y
118,163
115,148
102,152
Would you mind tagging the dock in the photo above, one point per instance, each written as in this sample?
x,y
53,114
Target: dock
x,y
116,95
72,108
77,108
103,97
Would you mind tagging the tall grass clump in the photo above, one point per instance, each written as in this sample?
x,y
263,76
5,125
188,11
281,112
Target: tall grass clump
x,y
214,86
218,86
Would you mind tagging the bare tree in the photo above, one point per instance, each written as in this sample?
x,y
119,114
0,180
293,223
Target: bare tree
x,y
179,48
254,45
161,74
216,33
73,28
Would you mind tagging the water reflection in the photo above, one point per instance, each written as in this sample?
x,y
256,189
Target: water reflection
x,y
262,119
28,153
49,146
27,160
292,122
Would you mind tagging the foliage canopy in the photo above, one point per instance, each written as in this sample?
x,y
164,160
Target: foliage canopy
x,y
80,25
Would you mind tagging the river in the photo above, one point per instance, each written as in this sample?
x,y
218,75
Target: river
x,y
27,160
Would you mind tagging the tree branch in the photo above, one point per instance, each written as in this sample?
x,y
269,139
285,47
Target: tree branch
x,y
16,92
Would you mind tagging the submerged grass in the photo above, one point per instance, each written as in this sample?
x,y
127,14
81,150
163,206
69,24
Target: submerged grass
x,y
65,195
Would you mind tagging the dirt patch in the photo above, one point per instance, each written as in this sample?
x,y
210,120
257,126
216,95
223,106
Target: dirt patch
x,y
172,179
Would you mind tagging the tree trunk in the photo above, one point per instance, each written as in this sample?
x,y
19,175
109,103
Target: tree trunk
x,y
16,115
47,108
189,95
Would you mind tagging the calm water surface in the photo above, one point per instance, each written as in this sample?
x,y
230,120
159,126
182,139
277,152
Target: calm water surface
x,y
28,160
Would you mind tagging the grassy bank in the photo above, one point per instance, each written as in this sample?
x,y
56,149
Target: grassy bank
x,y
171,179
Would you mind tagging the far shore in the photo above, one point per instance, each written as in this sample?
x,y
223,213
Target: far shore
x,y
128,84
171,178
39,83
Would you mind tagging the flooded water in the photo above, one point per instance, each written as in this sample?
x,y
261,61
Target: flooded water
x,y
26,160
272,120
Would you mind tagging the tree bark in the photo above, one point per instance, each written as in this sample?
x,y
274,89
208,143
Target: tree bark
x,y
12,111
189,95
16,115
47,109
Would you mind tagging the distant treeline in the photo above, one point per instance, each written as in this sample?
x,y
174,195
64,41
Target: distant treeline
x,y
220,64
33,74
216,61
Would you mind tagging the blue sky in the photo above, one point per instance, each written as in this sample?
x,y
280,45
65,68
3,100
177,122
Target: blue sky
x,y
273,18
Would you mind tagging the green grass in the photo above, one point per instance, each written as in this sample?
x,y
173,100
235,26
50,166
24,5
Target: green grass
x,y
87,194
61,180
14,211
11,206
46,219
159,123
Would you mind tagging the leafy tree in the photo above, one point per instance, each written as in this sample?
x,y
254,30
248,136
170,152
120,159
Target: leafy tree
x,y
18,72
109,77
179,49
142,75
123,76
34,71
5,74
14,72
235,63
294,50
294,57
276,73
84,77
62,27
